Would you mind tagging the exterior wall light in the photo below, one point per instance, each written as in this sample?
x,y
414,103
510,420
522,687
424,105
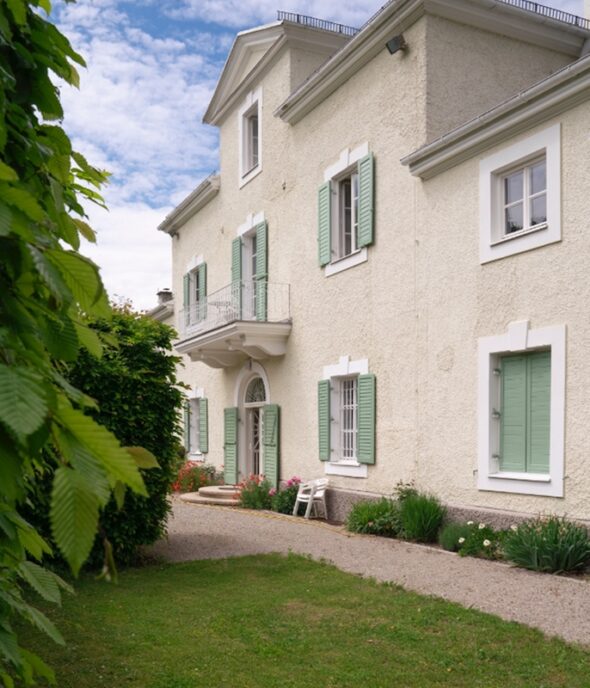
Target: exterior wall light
x,y
396,43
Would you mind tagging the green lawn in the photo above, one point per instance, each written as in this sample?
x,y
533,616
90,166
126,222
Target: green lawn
x,y
272,621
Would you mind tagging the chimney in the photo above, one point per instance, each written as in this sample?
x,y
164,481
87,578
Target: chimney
x,y
164,295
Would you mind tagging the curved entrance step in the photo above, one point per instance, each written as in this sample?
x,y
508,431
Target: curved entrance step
x,y
219,495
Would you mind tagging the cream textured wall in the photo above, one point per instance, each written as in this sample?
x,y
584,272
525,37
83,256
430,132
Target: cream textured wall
x,y
470,71
416,308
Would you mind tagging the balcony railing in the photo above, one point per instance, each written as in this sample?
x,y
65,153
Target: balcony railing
x,y
254,301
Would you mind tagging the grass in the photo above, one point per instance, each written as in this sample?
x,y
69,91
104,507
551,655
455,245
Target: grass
x,y
283,622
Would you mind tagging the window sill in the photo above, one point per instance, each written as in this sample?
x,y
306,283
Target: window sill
x,y
250,174
347,469
195,456
532,477
356,258
522,232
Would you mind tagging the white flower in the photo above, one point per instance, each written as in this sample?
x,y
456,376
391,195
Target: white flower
x,y
486,543
469,523
513,528
461,541
482,526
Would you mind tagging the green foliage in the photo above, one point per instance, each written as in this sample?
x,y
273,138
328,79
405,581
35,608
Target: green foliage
x,y
134,383
283,500
481,541
191,476
255,493
375,517
421,517
47,293
551,545
453,535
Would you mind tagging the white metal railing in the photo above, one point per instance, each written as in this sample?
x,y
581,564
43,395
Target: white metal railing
x,y
255,300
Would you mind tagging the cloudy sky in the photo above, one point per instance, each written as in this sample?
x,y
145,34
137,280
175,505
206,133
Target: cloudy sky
x,y
152,68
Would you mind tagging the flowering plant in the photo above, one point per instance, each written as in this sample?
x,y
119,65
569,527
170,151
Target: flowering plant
x,y
191,476
254,492
284,499
480,540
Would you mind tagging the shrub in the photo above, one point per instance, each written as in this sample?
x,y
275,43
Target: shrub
x,y
481,541
191,476
283,501
421,516
375,518
404,490
453,535
255,493
551,545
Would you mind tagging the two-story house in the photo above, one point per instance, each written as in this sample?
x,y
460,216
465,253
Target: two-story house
x,y
387,279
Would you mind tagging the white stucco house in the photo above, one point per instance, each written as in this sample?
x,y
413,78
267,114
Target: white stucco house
x,y
388,278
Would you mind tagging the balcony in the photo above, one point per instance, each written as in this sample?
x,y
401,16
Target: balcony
x,y
242,320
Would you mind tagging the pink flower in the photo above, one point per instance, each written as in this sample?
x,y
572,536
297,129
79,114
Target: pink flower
x,y
272,492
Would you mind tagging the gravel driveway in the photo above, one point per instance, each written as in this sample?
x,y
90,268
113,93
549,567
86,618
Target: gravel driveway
x,y
556,605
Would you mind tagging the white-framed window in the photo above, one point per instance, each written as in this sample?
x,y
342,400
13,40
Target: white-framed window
x,y
520,196
346,406
195,292
521,410
250,136
346,211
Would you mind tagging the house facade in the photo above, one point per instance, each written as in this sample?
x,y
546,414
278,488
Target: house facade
x,y
386,280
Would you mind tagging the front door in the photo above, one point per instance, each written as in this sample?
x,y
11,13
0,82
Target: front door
x,y
254,434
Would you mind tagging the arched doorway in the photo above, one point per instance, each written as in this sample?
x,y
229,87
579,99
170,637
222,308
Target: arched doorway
x,y
254,400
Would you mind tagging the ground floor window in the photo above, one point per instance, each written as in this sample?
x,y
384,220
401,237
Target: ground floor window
x,y
521,410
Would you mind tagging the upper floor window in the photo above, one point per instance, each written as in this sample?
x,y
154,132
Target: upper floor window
x,y
520,202
250,131
346,211
195,295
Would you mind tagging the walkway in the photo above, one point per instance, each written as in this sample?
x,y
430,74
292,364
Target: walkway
x,y
556,605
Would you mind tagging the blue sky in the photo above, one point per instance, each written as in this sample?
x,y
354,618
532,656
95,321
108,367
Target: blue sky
x,y
152,68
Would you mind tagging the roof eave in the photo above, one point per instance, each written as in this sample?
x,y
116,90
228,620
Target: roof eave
x,y
196,200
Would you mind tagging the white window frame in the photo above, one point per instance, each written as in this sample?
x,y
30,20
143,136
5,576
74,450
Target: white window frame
x,y
494,243
191,270
252,104
193,398
520,338
343,370
344,167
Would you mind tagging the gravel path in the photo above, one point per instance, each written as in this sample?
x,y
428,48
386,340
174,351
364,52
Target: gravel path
x,y
557,606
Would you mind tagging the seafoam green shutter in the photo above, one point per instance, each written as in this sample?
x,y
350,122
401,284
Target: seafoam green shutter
x,y
186,300
366,213
366,419
261,270
324,419
513,414
236,276
203,425
230,445
538,411
187,426
271,442
202,289
325,223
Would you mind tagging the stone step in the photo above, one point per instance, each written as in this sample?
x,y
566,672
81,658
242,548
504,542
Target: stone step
x,y
195,498
223,492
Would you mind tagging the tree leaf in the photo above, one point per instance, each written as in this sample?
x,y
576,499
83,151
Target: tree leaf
x,y
39,620
41,580
23,401
38,665
85,230
104,445
22,200
89,339
7,173
143,458
74,516
82,277
5,220
19,10
59,336
51,276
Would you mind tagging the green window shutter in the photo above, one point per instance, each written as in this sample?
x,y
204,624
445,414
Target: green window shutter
x,y
366,200
271,442
236,276
187,426
202,290
261,270
186,302
325,223
324,419
538,411
513,425
203,425
366,419
230,445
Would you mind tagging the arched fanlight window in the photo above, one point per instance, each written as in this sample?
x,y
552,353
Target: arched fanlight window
x,y
255,392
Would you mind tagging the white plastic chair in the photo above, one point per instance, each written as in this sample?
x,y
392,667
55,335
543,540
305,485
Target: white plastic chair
x,y
312,493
